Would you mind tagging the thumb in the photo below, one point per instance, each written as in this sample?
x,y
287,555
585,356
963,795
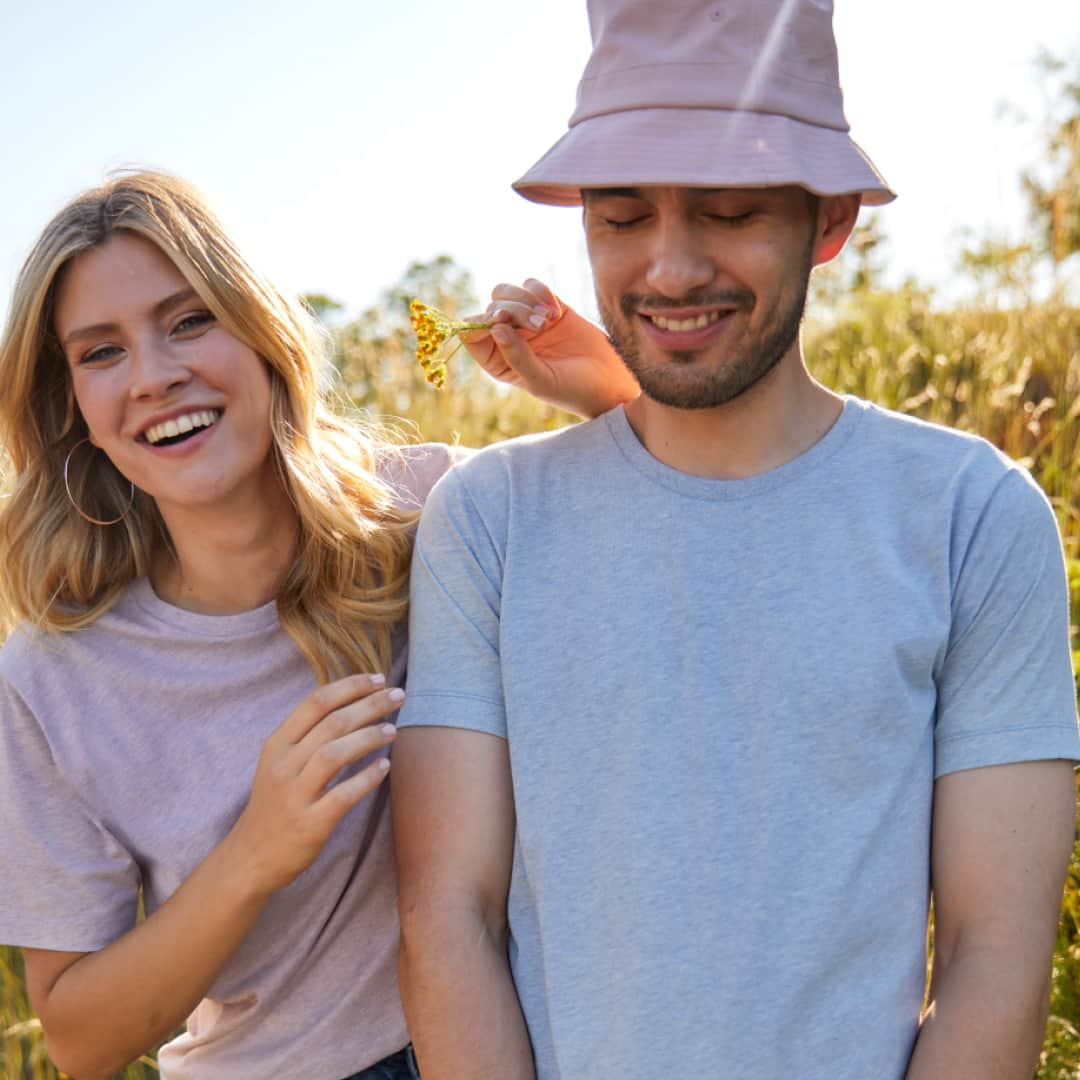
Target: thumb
x,y
519,356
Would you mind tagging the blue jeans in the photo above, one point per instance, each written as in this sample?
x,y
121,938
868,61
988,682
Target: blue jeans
x,y
399,1066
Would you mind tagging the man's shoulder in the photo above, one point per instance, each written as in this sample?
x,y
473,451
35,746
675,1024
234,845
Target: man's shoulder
x,y
495,468
953,455
923,465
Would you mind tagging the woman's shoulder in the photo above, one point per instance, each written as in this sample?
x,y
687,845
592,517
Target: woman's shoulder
x,y
413,470
27,647
33,651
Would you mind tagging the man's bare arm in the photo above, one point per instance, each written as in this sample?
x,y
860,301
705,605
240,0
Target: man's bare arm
x,y
454,834
1001,842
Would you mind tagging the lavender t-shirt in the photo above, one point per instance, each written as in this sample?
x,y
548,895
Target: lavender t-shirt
x,y
127,751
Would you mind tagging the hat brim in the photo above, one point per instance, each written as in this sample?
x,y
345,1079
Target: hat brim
x,y
701,148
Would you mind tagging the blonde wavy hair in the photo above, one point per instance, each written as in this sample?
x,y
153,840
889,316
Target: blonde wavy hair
x,y
347,587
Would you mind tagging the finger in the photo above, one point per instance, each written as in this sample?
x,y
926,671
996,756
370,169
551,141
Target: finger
x,y
326,699
529,317
330,758
482,348
349,718
533,297
517,294
337,801
518,356
544,296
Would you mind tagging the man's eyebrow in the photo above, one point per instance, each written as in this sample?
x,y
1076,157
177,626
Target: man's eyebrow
x,y
610,193
181,296
640,192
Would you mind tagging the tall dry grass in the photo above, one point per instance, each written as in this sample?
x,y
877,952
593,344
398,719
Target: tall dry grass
x,y
1011,376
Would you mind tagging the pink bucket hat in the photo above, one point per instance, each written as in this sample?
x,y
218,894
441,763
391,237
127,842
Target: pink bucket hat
x,y
733,93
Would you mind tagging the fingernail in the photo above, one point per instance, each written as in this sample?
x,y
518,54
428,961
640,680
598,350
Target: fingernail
x,y
384,764
377,680
537,321
388,729
502,333
396,694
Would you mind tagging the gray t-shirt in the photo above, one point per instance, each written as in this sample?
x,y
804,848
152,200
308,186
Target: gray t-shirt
x,y
726,703
127,751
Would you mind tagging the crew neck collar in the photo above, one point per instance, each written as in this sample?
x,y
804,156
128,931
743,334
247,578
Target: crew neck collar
x,y
747,487
194,622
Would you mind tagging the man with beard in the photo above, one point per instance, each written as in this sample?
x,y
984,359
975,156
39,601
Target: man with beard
x,y
694,685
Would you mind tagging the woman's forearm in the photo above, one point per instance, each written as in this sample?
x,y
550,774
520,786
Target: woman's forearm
x,y
107,1007
114,1004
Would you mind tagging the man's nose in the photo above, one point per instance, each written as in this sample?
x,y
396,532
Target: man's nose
x,y
678,264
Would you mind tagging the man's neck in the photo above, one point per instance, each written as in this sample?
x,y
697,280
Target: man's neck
x,y
766,426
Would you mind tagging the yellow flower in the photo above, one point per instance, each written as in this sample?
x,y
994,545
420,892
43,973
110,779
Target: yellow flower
x,y
433,330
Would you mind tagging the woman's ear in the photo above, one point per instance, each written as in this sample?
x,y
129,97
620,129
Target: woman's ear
x,y
836,219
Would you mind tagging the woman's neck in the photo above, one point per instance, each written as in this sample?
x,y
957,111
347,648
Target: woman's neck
x,y
222,561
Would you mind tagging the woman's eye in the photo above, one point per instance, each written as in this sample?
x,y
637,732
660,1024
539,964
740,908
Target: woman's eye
x,y
193,322
102,353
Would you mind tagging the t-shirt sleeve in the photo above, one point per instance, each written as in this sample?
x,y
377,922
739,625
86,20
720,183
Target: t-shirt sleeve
x,y
413,470
68,884
455,676
1006,690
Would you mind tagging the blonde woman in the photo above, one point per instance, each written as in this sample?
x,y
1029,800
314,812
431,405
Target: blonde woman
x,y
204,583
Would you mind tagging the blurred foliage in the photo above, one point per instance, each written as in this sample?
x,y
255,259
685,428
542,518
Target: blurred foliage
x,y
1053,185
376,367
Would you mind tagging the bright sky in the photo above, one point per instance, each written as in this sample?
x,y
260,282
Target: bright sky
x,y
341,139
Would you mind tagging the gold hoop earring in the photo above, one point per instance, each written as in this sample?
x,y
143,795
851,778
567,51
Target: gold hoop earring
x,y
78,509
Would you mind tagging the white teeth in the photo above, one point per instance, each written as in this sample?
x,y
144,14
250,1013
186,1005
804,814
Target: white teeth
x,y
180,425
698,322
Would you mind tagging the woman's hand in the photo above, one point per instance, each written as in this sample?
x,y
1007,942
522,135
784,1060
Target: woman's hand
x,y
546,348
294,804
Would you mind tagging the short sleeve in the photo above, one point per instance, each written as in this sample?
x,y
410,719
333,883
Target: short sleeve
x,y
413,470
454,668
1006,690
67,883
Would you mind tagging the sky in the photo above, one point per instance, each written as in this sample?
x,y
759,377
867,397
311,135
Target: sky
x,y
342,139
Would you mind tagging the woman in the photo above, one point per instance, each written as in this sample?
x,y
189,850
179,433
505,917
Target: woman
x,y
201,560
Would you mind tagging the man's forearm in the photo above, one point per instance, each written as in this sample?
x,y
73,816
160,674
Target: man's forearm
x,y
460,1003
986,1020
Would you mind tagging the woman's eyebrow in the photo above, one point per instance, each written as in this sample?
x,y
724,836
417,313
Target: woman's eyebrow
x,y
179,297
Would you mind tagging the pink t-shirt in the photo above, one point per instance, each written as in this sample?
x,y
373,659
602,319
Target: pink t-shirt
x,y
127,751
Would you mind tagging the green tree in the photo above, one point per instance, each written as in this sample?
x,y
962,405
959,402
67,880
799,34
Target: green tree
x,y
321,305
1053,186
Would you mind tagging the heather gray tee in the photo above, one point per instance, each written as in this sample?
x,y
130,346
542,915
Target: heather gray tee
x,y
127,751
726,704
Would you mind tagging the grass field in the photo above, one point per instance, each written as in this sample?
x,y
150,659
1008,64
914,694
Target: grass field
x,y
1013,377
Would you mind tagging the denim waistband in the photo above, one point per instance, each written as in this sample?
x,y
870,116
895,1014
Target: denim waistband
x,y
398,1066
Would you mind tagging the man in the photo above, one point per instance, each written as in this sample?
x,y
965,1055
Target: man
x,y
707,694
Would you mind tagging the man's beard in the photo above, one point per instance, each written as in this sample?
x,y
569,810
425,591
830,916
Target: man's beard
x,y
685,381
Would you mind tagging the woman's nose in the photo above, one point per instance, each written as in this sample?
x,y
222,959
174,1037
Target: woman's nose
x,y
155,369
